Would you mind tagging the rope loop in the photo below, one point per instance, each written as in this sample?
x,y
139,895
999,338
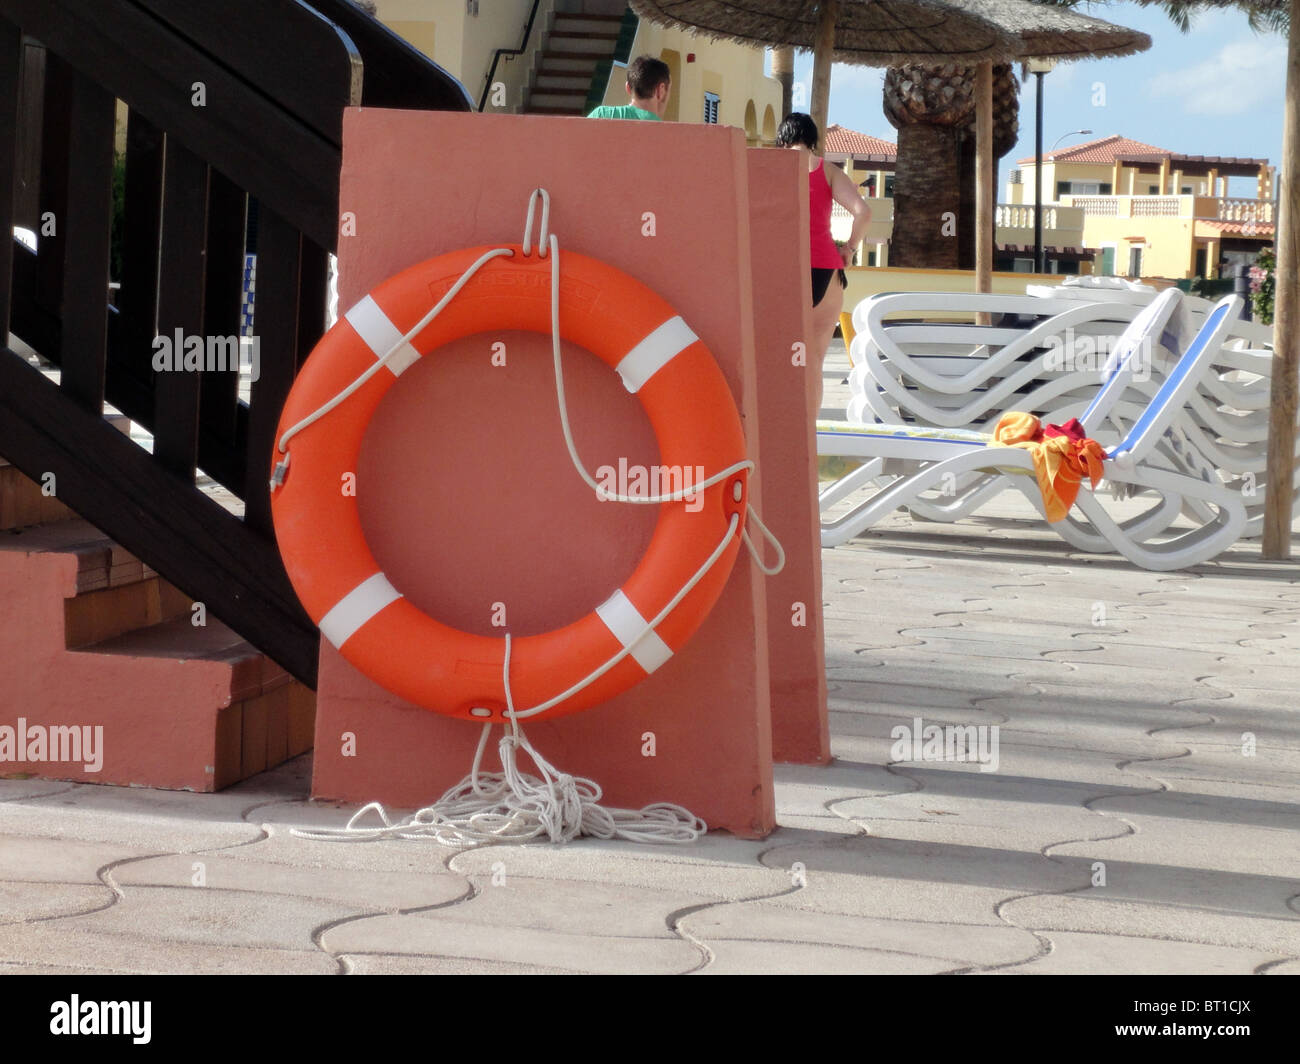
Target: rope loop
x,y
543,233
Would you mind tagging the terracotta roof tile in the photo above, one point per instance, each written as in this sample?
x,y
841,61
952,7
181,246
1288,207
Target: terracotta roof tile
x,y
1103,150
842,141
1238,228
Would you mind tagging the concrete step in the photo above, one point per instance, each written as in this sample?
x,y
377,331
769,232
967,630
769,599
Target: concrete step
x,y
92,638
600,45
561,82
577,23
549,110
268,718
572,100
569,63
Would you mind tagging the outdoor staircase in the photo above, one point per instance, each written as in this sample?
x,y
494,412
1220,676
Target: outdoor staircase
x,y
103,639
578,46
99,584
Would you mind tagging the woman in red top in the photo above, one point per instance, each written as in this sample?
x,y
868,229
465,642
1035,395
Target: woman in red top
x,y
825,184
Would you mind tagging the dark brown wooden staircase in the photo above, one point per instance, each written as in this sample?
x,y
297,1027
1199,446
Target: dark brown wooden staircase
x,y
228,105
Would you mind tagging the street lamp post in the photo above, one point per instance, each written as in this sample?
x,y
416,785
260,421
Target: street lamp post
x,y
1039,67
1040,253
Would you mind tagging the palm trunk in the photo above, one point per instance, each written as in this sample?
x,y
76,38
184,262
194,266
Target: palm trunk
x,y
926,198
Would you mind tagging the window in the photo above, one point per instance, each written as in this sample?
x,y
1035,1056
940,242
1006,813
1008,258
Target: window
x,y
1081,188
889,186
1153,190
1187,190
711,101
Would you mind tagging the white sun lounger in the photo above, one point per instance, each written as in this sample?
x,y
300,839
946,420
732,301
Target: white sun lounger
x,y
962,496
956,374
945,455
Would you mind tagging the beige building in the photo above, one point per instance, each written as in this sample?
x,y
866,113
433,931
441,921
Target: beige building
x,y
870,161
1154,213
570,58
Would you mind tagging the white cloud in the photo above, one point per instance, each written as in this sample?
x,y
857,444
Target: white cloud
x,y
1242,76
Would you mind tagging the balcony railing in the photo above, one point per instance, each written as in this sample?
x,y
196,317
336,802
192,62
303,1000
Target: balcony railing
x,y
1055,217
1211,208
1062,225
1239,210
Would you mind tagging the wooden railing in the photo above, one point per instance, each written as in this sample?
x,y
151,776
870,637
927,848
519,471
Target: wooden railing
x,y
226,104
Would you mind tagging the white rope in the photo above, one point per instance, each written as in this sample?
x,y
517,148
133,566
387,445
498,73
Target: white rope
x,y
319,413
513,806
544,232
650,626
770,536
601,492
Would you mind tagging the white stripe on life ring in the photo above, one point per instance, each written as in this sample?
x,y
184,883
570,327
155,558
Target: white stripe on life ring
x,y
654,352
351,613
381,335
625,621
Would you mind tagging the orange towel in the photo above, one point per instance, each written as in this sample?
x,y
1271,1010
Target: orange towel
x,y
1062,457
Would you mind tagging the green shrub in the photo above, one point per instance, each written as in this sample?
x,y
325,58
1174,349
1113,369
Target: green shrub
x,y
1263,282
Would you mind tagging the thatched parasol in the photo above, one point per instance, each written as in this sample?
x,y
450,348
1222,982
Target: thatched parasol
x,y
892,32
866,32
1045,31
1037,31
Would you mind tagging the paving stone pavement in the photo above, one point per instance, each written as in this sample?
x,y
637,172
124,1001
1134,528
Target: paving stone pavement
x,y
1141,817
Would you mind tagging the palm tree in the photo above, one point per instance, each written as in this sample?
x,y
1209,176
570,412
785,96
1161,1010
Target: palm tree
x,y
933,109
912,97
928,105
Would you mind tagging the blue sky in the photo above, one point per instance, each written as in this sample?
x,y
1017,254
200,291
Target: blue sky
x,y
1216,90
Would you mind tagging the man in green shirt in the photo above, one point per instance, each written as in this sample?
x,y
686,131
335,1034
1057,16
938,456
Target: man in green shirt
x,y
648,83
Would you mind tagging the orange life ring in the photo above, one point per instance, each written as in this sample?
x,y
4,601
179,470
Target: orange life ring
x,y
692,413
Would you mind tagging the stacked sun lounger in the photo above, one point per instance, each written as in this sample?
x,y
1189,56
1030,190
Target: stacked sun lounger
x,y
920,359
945,473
